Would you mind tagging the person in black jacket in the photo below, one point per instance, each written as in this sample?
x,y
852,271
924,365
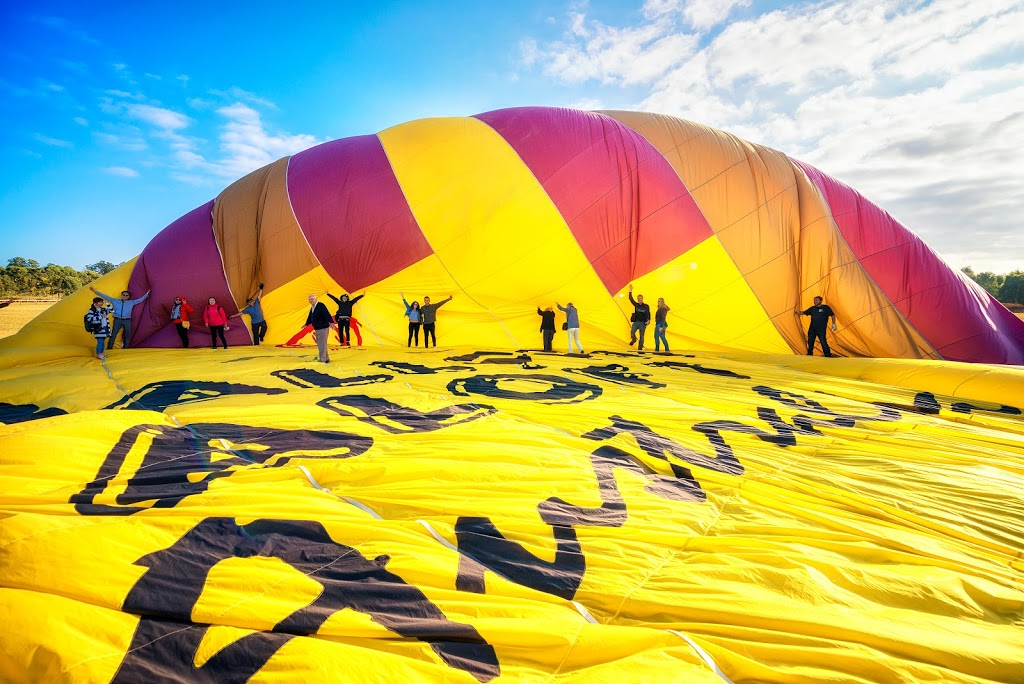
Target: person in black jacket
x,y
640,318
819,313
320,318
343,314
547,326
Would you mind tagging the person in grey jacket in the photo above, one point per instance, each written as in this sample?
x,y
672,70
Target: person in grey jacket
x,y
122,309
428,314
572,325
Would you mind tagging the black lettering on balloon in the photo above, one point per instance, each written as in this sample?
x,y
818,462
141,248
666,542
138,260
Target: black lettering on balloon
x,y
617,374
398,419
558,390
157,396
964,407
784,434
165,642
661,447
20,413
416,369
926,403
700,368
485,548
308,378
505,358
177,455
798,401
621,355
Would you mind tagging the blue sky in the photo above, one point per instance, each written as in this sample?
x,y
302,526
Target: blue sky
x,y
115,120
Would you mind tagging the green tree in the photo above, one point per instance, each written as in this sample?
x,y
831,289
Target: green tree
x,y
987,279
101,267
1012,289
22,262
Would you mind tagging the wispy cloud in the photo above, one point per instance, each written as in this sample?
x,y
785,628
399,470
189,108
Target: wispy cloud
x,y
167,119
235,93
81,121
918,105
246,145
122,171
66,27
53,142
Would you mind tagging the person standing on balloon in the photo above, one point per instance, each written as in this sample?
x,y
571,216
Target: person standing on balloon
x,y
640,318
343,315
428,313
122,315
179,317
216,319
322,321
547,326
97,323
661,324
412,312
255,312
819,313
572,325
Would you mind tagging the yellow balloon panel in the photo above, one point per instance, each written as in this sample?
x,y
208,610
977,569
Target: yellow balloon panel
x,y
473,515
712,307
471,194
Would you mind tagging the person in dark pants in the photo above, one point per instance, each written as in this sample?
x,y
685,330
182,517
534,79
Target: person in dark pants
x,y
428,313
640,318
179,317
255,312
344,314
819,313
547,326
412,312
320,318
122,315
661,324
216,319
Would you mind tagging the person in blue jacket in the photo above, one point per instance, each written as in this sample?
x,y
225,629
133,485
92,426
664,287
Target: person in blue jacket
x,y
122,309
412,312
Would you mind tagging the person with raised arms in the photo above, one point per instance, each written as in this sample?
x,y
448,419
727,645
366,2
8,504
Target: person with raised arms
x,y
343,315
122,309
428,314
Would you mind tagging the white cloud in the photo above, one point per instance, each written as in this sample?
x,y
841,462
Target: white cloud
x,y
53,142
247,145
919,105
167,119
81,121
123,171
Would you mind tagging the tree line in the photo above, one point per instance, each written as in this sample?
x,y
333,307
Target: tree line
x,y
1007,287
26,278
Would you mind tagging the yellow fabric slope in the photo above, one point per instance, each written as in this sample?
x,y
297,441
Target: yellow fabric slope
x,y
432,516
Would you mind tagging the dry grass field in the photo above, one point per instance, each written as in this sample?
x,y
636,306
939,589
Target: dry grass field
x,y
14,317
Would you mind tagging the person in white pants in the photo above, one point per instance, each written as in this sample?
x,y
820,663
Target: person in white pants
x,y
572,323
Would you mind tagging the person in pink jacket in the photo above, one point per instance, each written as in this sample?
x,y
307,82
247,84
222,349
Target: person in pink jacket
x,y
216,318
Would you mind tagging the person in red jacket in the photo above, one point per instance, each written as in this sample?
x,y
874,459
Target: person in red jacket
x,y
179,316
216,318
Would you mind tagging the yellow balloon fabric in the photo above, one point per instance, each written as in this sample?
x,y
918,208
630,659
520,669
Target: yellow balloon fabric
x,y
470,515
